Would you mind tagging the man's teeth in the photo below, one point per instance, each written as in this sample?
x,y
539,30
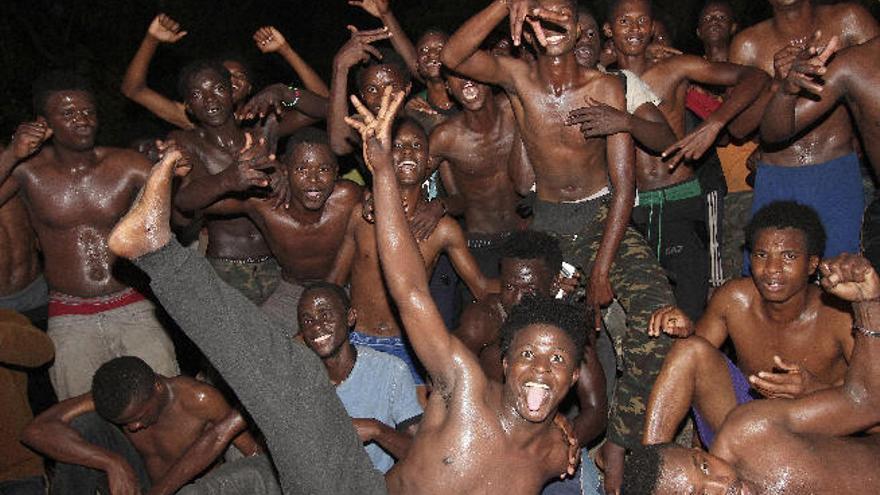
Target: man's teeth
x,y
556,38
539,385
323,338
407,163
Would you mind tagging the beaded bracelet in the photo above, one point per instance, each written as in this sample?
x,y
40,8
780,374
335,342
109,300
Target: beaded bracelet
x,y
866,332
296,95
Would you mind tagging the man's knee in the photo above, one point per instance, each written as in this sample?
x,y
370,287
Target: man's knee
x,y
693,351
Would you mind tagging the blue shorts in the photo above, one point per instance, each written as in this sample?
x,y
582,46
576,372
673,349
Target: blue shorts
x,y
395,346
833,189
743,393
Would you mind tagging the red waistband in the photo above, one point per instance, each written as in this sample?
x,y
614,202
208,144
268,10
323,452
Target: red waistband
x,y
63,304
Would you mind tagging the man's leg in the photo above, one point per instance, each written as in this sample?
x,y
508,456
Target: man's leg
x,y
694,374
142,335
72,479
79,351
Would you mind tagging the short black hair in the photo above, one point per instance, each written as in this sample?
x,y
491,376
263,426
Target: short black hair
x,y
789,215
120,382
537,310
534,245
616,3
55,81
191,69
726,3
405,119
306,135
390,58
430,31
336,290
642,469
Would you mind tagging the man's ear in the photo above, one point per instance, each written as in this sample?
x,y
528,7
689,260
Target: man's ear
x,y
814,263
352,317
606,30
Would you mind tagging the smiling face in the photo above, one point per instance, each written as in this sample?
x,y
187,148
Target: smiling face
x,y
73,119
695,471
586,51
561,37
324,322
374,81
539,368
428,52
631,27
241,85
471,94
209,98
311,172
410,154
781,267
716,23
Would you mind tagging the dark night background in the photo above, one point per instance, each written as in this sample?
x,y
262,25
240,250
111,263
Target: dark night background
x,y
98,38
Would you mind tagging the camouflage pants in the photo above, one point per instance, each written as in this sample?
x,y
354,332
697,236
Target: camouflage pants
x,y
737,211
257,280
639,285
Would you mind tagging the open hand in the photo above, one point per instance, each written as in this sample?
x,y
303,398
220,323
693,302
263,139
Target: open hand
x,y
358,48
251,163
694,145
269,39
786,381
598,119
529,11
376,8
375,130
807,66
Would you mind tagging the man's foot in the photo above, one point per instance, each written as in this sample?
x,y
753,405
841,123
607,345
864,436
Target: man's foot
x,y
147,225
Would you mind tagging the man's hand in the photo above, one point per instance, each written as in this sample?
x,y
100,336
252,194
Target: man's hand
x,y
366,428
598,119
574,448
280,186
599,295
692,146
657,52
786,381
568,285
169,150
420,105
851,278
426,219
529,11
28,138
250,165
269,100
269,39
375,130
610,460
376,8
122,479
672,321
165,29
807,66
358,49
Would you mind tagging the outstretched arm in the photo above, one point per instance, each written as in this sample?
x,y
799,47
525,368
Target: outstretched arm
x,y
402,264
163,29
269,40
399,40
462,54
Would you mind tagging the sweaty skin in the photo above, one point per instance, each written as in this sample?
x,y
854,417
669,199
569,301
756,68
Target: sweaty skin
x,y
306,236
74,193
669,78
476,435
375,313
800,446
796,21
776,312
181,429
19,259
474,149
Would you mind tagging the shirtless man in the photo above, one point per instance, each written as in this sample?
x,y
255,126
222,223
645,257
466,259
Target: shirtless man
x,y
474,149
671,212
573,194
799,168
177,428
849,78
377,324
790,338
74,193
236,248
307,235
476,435
800,446
22,286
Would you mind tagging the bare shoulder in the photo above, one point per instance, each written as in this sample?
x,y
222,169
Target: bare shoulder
x,y
604,87
746,45
736,294
123,159
347,191
198,398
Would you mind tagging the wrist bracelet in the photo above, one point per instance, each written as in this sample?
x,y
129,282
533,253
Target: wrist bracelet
x,y
866,332
296,94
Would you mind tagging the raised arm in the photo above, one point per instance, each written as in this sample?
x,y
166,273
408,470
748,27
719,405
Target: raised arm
x,y
27,140
402,265
50,434
356,50
270,40
462,54
163,29
747,85
399,40
224,425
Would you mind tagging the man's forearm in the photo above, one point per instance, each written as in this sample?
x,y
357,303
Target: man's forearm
x,y
340,132
749,120
58,441
394,442
401,42
136,74
8,161
201,192
198,457
467,39
749,87
311,80
615,225
780,118
863,377
655,136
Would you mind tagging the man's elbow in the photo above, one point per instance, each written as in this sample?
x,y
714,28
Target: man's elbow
x,y
130,90
449,58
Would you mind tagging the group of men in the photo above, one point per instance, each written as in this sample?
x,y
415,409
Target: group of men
x,y
567,185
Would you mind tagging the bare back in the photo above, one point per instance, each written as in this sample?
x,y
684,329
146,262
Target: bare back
x,y
862,81
19,260
73,210
831,137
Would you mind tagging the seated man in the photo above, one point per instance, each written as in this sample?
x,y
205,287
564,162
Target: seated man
x,y
789,338
800,446
306,236
376,388
172,429
477,434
